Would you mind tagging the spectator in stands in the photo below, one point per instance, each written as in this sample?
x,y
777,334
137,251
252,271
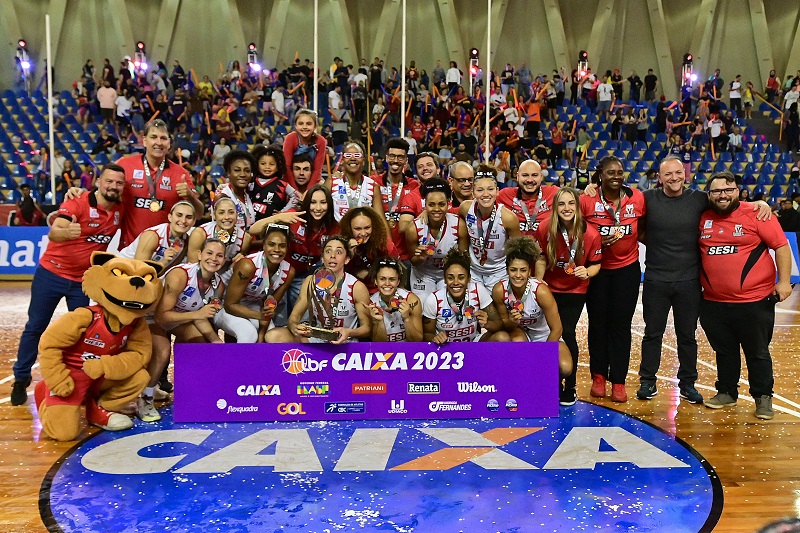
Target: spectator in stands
x,y
792,127
453,77
649,180
635,89
791,97
83,225
773,86
28,212
106,98
735,141
788,216
221,149
105,143
738,308
735,94
605,92
341,124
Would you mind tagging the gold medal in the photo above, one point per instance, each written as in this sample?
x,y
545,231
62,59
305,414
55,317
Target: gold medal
x,y
570,268
155,206
392,223
224,236
619,232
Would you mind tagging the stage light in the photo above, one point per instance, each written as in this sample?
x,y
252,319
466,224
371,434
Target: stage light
x,y
25,64
255,67
252,47
583,56
21,43
687,58
140,45
694,77
474,53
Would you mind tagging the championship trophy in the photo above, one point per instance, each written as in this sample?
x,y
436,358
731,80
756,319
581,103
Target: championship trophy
x,y
324,296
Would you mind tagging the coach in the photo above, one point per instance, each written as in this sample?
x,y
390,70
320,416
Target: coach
x,y
739,292
84,225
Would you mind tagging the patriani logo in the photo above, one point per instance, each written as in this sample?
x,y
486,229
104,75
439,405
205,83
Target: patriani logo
x,y
296,361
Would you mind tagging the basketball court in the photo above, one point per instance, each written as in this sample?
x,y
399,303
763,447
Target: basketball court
x,y
662,465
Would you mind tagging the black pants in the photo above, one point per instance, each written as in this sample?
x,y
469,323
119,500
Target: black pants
x,y
570,307
657,299
749,325
611,302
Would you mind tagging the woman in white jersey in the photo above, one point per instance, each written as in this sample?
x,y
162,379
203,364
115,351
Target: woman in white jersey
x,y
352,188
463,309
348,314
193,295
525,304
484,228
254,298
396,313
238,168
430,237
224,229
165,243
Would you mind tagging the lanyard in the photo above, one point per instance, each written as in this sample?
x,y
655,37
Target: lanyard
x,y
393,305
214,286
515,304
151,183
458,308
609,207
484,242
393,204
433,242
573,248
350,196
530,220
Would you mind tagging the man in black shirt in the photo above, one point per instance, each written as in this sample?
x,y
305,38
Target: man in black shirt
x,y
788,217
650,86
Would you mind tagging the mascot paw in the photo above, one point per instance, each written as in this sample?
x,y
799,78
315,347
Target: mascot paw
x,y
64,388
93,368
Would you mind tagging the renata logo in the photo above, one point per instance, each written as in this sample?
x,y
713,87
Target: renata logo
x,y
369,388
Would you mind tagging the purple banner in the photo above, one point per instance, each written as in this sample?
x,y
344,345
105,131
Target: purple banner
x,y
365,381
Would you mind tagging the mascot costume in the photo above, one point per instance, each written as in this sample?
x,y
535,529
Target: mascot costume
x,y
98,355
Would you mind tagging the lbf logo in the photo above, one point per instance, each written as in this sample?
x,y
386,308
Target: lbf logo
x,y
398,407
290,409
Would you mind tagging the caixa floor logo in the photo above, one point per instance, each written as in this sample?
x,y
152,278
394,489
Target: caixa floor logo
x,y
380,475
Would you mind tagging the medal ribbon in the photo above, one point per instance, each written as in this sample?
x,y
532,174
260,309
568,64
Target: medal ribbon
x,y
512,299
458,309
393,204
573,248
530,220
151,184
483,242
436,240
609,207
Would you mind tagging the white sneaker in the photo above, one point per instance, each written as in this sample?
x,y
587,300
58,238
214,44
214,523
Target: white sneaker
x,y
118,422
145,409
159,395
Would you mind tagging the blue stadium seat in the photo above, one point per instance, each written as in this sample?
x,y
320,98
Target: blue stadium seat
x,y
780,178
776,192
736,168
625,145
764,179
760,189
562,164
569,175
649,155
748,179
720,167
699,179
697,157
704,166
740,157
786,157
633,178
726,157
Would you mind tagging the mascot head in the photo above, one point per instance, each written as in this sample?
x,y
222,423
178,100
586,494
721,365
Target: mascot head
x,y
125,288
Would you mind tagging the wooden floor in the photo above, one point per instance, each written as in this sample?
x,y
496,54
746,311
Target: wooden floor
x,y
758,462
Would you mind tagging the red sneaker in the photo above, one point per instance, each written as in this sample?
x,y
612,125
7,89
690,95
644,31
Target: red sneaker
x,y
618,393
105,419
598,386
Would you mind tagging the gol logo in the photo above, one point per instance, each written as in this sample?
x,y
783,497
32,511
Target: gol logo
x,y
290,409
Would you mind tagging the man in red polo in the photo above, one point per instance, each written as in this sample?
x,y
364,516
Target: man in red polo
x,y
84,224
739,292
532,202
153,184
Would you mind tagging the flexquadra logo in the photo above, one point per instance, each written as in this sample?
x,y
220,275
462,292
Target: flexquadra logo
x,y
296,361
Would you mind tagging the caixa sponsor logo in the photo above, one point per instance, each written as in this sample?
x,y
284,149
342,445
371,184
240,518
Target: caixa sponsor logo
x,y
290,409
474,386
449,406
296,361
259,390
398,407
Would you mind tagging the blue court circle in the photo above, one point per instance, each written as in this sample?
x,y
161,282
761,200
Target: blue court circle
x,y
534,482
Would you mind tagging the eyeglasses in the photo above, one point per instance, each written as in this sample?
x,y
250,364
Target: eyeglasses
x,y
279,227
462,181
352,155
395,157
718,192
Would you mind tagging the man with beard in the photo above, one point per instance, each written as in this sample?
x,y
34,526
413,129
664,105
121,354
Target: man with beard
x,y
412,204
395,188
531,201
739,292
83,225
